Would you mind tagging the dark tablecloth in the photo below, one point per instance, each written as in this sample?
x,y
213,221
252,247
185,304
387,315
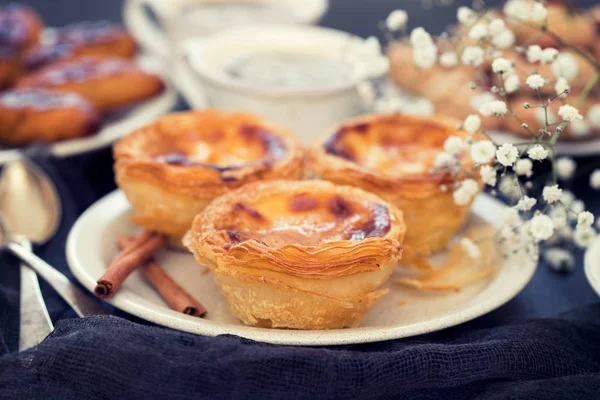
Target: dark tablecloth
x,y
543,344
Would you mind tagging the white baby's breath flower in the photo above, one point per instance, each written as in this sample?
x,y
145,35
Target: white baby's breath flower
x,y
584,236
511,218
472,56
421,106
372,46
512,83
419,37
449,59
561,86
585,219
480,99
443,160
496,26
488,175
524,167
502,66
542,227
593,115
504,39
425,56
479,31
569,113
472,123
537,153
539,12
567,198
454,145
396,20
559,216
465,192
507,154
595,179
535,81
559,259
552,194
576,207
566,66
483,152
579,128
496,108
565,168
534,53
471,248
367,93
525,203
465,15
548,55
517,9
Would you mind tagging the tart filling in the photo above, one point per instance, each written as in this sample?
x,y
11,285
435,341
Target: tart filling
x,y
185,160
393,155
290,244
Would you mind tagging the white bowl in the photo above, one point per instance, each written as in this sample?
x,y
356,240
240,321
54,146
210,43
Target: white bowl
x,y
306,111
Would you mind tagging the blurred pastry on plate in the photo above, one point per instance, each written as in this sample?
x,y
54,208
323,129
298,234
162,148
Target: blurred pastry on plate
x,y
20,28
109,83
392,155
88,38
299,254
171,169
31,115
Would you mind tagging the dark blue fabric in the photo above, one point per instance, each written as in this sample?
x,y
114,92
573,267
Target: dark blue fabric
x,y
544,344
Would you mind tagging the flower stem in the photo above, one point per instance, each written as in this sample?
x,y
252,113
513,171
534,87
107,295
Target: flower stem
x,y
587,89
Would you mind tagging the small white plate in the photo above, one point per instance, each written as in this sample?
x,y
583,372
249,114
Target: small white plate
x,y
401,313
580,148
592,265
110,131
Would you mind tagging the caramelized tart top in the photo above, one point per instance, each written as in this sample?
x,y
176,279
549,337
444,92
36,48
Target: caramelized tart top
x,y
209,149
386,152
305,228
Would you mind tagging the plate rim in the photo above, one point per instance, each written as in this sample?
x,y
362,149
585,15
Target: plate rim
x,y
579,148
163,316
592,260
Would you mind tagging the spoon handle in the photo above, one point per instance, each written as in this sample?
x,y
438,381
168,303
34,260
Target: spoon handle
x,y
35,321
81,303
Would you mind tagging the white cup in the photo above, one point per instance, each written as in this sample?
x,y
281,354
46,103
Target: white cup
x,y
200,65
178,20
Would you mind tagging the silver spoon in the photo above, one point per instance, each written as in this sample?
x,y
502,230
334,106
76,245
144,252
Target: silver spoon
x,y
31,207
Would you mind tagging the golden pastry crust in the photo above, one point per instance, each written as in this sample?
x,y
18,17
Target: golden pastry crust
x,y
170,170
90,38
392,155
20,28
30,115
109,83
535,118
299,254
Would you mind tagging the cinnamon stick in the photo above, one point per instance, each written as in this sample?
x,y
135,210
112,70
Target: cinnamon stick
x,y
174,295
139,251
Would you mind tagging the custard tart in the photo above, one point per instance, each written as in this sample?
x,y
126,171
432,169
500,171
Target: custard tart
x,y
108,83
88,38
19,29
170,170
299,254
31,115
392,155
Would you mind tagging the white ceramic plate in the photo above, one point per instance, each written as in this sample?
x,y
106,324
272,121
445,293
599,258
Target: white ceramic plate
x,y
139,115
592,265
580,148
403,312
